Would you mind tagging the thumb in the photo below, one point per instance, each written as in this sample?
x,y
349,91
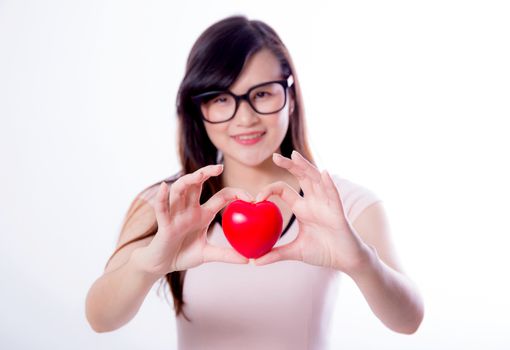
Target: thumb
x,y
223,254
288,251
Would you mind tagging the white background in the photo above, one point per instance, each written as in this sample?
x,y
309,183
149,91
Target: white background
x,y
410,99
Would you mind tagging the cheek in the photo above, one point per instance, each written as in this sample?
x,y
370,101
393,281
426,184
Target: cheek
x,y
216,133
281,123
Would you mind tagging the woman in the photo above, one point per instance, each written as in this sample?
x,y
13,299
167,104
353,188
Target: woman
x,y
242,136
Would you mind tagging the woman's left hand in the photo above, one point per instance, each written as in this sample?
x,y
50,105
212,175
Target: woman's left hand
x,y
325,236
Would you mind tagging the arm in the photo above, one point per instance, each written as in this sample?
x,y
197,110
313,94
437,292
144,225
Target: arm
x,y
391,295
179,244
115,298
326,238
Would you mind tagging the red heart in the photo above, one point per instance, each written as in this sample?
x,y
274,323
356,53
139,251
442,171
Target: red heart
x,y
252,228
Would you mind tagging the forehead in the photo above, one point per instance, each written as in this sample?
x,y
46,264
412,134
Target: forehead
x,y
261,67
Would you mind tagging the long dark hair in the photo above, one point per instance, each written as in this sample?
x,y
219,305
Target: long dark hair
x,y
214,63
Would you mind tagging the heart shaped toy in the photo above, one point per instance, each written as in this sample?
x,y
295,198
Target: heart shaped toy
x,y
252,228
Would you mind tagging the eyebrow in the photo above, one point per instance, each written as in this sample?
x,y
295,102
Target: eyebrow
x,y
256,84
289,80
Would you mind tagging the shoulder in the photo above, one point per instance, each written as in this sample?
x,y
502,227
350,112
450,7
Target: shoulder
x,y
143,204
148,195
355,197
140,214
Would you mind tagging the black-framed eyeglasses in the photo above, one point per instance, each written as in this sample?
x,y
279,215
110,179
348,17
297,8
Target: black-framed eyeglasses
x,y
265,98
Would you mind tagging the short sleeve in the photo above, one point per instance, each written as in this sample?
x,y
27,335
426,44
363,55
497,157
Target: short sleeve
x,y
355,197
149,194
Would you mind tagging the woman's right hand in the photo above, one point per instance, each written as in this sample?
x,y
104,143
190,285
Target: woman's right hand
x,y
181,240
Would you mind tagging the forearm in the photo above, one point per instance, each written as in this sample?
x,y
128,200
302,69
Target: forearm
x,y
115,298
391,295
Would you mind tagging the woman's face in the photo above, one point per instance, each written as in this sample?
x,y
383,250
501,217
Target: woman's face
x,y
262,67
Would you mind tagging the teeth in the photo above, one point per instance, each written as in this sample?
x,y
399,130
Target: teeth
x,y
250,137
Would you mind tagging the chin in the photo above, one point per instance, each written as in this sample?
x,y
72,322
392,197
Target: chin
x,y
249,161
248,158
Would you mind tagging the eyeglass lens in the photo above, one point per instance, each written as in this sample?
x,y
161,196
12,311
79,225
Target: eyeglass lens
x,y
265,99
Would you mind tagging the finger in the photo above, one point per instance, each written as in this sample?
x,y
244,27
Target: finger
x,y
223,254
290,251
308,168
312,172
223,197
161,207
296,170
281,189
202,175
331,190
180,197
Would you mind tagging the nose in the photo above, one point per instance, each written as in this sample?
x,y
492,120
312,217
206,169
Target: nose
x,y
245,115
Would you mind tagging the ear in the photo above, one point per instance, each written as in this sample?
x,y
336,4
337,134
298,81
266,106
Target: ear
x,y
292,104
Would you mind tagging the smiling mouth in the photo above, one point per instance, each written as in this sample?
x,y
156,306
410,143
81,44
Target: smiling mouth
x,y
249,139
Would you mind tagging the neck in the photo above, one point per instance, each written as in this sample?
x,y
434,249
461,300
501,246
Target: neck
x,y
254,178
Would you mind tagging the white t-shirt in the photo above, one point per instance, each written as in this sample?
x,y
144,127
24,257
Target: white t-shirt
x,y
284,305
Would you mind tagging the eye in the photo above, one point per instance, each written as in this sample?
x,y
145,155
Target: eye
x,y
262,94
220,99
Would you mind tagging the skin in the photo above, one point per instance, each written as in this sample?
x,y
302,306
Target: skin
x,y
251,167
253,161
363,249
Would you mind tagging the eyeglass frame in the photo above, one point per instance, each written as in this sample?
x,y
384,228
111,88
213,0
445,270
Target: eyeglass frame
x,y
286,83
